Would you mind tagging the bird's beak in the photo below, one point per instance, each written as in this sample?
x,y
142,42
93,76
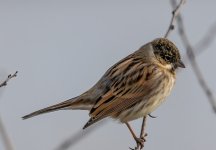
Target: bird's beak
x,y
180,64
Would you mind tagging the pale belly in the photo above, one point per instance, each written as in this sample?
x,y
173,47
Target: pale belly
x,y
148,105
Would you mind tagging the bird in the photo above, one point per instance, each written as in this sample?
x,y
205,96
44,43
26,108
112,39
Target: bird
x,y
130,89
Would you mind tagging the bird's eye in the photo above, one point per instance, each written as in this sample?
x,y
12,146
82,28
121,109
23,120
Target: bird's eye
x,y
168,57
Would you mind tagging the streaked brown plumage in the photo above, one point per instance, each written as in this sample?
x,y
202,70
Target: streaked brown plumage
x,y
132,88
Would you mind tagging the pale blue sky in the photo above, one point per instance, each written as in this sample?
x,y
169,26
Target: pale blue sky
x,y
61,48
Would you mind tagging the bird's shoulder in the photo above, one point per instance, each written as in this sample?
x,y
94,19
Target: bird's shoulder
x,y
126,77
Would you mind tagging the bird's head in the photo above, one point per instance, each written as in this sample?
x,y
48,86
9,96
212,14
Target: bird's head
x,y
167,53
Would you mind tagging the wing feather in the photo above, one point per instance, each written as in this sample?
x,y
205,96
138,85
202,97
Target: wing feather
x,y
129,82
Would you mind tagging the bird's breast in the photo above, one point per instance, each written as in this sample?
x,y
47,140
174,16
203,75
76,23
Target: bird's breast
x,y
156,95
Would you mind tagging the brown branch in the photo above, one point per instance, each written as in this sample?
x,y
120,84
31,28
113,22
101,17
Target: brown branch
x,y
4,83
5,138
192,59
175,13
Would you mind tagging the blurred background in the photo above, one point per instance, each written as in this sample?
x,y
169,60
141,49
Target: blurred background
x,y
61,48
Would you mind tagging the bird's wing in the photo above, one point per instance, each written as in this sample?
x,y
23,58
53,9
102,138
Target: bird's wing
x,y
129,81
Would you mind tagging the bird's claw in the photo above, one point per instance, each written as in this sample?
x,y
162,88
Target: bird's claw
x,y
152,116
140,142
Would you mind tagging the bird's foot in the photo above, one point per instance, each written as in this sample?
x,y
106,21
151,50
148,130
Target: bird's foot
x,y
140,142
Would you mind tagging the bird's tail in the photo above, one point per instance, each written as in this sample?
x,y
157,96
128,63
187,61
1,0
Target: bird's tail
x,y
74,103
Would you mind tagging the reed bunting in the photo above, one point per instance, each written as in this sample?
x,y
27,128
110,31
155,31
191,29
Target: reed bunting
x,y
130,89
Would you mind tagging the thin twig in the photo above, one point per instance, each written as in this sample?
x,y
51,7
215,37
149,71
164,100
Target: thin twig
x,y
74,139
175,13
5,138
192,59
4,83
206,41
3,133
71,141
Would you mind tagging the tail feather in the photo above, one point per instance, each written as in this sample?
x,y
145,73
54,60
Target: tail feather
x,y
73,103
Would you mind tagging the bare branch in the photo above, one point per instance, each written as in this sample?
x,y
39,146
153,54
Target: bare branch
x,y
4,83
5,138
74,139
206,41
175,13
192,59
3,133
71,141
203,44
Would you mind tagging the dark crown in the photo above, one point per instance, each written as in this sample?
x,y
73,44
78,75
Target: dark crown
x,y
166,50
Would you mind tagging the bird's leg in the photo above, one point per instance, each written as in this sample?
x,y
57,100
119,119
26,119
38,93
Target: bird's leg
x,y
142,132
140,141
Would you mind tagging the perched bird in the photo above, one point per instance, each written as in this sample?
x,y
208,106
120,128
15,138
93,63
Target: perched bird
x,y
130,89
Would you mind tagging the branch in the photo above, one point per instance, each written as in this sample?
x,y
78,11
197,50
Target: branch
x,y
175,13
204,43
207,40
74,139
4,83
71,141
192,59
5,138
